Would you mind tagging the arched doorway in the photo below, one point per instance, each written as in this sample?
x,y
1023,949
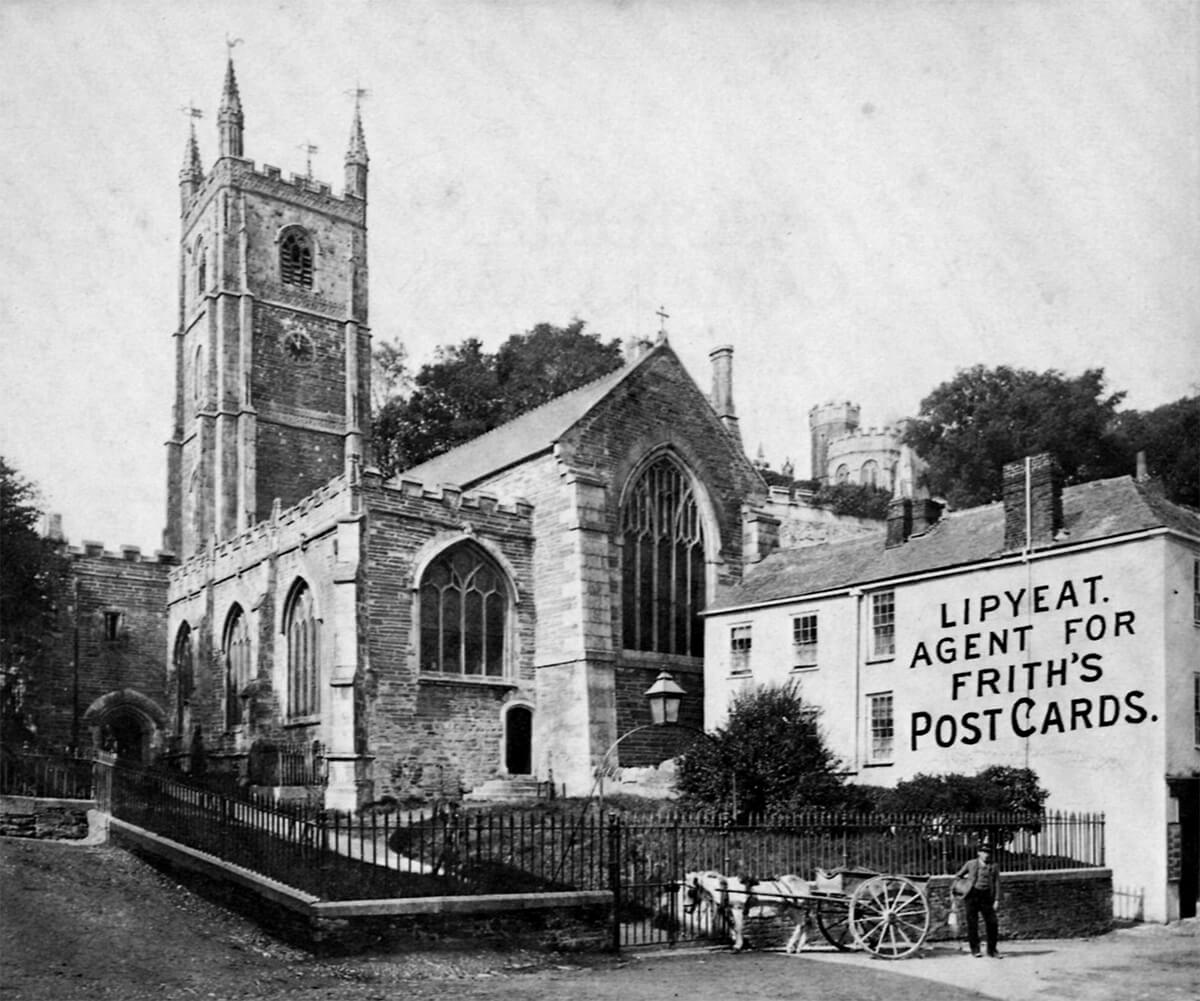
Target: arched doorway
x,y
126,723
518,741
126,733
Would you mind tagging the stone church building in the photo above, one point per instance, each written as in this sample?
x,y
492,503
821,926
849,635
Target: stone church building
x,y
495,613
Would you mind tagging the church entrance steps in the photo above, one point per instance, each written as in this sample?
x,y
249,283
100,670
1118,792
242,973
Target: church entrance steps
x,y
511,790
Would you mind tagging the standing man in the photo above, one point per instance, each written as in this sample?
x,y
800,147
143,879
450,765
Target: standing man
x,y
978,882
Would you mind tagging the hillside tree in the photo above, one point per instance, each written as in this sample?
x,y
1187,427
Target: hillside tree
x,y
969,427
466,391
30,572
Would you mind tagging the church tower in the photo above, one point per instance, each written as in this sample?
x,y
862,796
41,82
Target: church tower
x,y
272,348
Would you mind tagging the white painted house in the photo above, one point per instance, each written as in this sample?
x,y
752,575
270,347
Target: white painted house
x,y
1059,630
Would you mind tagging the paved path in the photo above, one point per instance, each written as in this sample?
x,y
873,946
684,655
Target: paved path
x,y
93,923
1155,962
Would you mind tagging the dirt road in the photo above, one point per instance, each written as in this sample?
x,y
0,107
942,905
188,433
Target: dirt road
x,y
94,923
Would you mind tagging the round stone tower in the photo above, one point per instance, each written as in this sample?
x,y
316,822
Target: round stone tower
x,y
826,422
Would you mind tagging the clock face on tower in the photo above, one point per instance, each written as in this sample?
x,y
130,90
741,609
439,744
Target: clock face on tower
x,y
298,346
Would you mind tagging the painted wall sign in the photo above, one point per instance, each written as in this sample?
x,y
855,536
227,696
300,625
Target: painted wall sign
x,y
997,684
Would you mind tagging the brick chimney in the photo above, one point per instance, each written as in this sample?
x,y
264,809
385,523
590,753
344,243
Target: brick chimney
x,y
722,387
925,514
899,521
1033,512
907,517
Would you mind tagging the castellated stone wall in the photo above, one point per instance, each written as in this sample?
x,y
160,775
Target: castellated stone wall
x,y
385,729
433,735
252,575
114,605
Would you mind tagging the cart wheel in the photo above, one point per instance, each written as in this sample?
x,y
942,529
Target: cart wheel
x,y
889,916
834,922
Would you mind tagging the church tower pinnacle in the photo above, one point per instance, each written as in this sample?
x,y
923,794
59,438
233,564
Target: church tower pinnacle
x,y
356,152
230,119
191,174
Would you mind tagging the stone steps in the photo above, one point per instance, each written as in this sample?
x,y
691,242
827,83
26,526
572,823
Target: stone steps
x,y
509,790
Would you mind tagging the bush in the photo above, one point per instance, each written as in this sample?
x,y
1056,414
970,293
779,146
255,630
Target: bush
x,y
769,757
858,500
996,789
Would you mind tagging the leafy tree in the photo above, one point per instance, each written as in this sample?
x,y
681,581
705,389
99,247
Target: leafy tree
x,y
29,573
970,426
770,756
389,372
859,500
1170,437
465,391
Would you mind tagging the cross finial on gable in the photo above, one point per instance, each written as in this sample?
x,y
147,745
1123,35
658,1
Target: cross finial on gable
x,y
663,316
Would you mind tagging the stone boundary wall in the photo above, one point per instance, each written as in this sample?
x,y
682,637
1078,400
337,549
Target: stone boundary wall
x,y
578,921
45,819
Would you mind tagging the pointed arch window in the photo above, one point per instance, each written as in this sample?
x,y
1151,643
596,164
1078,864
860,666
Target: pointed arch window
x,y
464,614
236,647
663,574
185,676
303,649
296,259
869,474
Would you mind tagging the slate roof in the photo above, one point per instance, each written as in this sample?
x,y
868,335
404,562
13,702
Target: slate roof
x,y
1091,511
533,432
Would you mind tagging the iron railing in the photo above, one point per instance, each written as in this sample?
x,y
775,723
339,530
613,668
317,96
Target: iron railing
x,y
46,776
434,852
908,843
445,850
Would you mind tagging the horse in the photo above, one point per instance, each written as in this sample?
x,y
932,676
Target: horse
x,y
733,899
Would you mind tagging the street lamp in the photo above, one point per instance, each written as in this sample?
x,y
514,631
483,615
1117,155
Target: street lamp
x,y
664,697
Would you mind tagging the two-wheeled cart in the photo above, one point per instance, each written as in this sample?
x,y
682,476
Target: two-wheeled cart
x,y
885,914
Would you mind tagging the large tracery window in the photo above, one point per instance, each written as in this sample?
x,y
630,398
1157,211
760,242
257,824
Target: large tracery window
x,y
296,259
303,670
185,676
237,664
663,584
464,612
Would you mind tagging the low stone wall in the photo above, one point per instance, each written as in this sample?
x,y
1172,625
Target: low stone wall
x,y
541,921
51,819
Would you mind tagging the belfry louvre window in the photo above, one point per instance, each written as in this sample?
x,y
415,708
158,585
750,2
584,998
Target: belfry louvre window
x,y
464,614
303,647
237,664
662,584
296,260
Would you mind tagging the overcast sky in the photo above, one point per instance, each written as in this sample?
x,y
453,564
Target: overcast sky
x,y
862,198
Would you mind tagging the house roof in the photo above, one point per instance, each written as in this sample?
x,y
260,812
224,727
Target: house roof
x,y
533,432
1091,511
